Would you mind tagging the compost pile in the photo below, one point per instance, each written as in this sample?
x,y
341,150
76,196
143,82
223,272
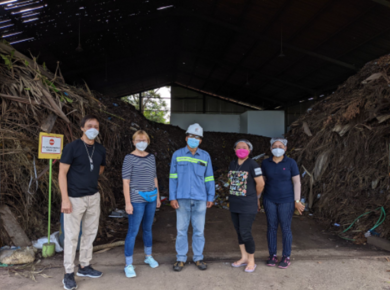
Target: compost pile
x,y
34,100
342,147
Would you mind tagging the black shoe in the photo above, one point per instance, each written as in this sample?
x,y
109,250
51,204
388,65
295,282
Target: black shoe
x,y
178,266
88,271
272,260
284,263
69,282
201,265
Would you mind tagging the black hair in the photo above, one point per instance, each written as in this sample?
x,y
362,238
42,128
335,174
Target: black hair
x,y
87,118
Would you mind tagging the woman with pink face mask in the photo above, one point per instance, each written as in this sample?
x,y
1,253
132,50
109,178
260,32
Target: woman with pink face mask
x,y
246,184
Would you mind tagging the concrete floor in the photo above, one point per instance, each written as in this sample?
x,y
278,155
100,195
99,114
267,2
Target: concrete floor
x,y
320,260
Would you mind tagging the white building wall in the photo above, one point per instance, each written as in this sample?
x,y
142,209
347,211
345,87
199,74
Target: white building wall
x,y
266,123
263,123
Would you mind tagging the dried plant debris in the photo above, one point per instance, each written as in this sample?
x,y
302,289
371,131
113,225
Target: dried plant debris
x,y
349,151
30,271
32,99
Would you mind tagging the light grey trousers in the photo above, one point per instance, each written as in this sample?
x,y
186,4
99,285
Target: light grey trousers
x,y
87,210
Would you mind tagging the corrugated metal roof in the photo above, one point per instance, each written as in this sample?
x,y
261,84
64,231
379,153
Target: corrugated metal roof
x,y
229,48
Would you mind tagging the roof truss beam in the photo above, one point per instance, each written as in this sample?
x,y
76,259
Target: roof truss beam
x,y
380,34
246,92
314,18
184,12
255,72
284,7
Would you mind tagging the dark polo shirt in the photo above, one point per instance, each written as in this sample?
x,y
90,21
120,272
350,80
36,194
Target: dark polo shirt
x,y
278,184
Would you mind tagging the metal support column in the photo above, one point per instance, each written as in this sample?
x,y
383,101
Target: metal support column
x,y
141,106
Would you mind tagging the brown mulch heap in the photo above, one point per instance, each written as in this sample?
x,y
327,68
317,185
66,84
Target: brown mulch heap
x,y
31,96
343,143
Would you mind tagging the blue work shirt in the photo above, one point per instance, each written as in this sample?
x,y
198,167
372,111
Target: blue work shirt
x,y
191,176
278,179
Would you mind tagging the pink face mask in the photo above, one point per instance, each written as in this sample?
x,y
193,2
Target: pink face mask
x,y
242,153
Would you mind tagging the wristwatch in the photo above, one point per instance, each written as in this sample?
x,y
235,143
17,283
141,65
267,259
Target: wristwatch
x,y
297,201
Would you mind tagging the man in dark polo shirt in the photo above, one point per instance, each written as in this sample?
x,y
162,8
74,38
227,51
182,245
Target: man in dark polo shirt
x,y
82,162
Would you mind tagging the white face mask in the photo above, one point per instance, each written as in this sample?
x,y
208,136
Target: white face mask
x,y
91,133
141,146
278,152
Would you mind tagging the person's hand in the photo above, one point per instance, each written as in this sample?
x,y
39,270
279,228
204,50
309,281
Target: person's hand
x,y
210,204
129,208
174,204
66,206
300,207
258,204
158,203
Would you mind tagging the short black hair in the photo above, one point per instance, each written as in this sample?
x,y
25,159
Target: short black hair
x,y
87,118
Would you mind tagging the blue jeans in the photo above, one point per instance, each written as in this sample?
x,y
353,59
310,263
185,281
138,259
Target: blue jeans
x,y
193,211
142,212
279,213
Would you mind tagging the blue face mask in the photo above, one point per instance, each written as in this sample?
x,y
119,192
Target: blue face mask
x,y
193,143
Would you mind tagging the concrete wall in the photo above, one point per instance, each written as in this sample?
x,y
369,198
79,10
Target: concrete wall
x,y
265,123
209,122
244,123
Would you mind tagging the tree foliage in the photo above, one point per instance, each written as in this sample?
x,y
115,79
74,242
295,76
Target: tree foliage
x,y
154,107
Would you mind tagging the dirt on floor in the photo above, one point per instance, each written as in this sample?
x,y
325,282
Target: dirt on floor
x,y
305,274
320,260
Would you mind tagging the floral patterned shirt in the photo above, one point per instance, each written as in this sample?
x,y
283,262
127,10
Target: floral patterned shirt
x,y
242,186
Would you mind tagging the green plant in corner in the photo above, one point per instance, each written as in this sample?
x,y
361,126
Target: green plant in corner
x,y
8,61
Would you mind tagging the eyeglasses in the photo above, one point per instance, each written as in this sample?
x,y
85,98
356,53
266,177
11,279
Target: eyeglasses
x,y
140,141
194,136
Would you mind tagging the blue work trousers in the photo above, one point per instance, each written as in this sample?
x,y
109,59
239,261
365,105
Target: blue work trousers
x,y
193,211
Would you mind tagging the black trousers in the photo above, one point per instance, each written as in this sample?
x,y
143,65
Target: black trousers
x,y
243,224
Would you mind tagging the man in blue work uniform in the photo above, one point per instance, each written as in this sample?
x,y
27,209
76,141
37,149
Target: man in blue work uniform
x,y
191,191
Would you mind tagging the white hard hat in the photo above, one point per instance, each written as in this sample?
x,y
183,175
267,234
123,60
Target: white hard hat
x,y
195,129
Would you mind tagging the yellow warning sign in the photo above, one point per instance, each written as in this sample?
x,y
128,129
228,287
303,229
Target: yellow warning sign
x,y
50,145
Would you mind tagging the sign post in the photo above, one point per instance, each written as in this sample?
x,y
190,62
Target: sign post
x,y
50,147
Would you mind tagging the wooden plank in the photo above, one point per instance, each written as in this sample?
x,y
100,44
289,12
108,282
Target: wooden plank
x,y
12,227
